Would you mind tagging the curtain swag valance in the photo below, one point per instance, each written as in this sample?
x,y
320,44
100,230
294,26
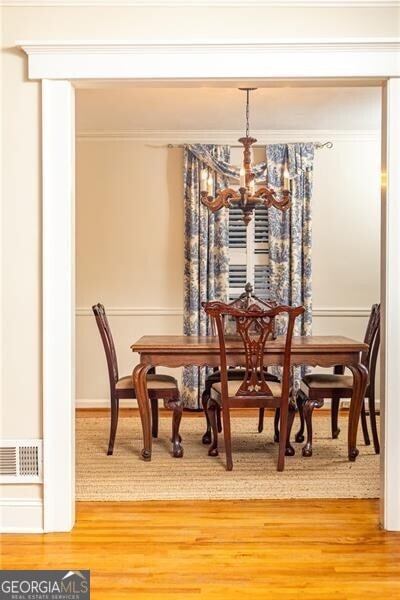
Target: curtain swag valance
x,y
204,153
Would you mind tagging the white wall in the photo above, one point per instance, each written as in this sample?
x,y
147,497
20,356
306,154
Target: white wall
x,y
130,245
129,250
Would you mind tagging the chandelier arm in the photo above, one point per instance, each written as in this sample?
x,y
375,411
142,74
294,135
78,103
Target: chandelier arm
x,y
265,192
270,198
222,200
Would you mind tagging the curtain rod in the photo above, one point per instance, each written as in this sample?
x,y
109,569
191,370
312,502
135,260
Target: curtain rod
x,y
318,145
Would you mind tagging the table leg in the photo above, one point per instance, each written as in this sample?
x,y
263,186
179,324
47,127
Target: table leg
x,y
176,407
140,385
360,378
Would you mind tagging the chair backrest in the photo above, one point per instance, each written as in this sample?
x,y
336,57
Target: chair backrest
x,y
108,343
372,338
246,299
255,327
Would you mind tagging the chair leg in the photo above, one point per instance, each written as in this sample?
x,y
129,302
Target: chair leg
x,y
334,417
219,424
206,439
154,418
372,416
290,451
364,425
175,404
308,408
227,436
300,399
283,436
276,424
212,408
114,423
261,419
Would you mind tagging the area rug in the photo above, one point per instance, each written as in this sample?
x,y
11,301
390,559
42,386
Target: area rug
x,y
196,476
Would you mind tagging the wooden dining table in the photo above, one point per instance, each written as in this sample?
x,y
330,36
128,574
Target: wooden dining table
x,y
181,351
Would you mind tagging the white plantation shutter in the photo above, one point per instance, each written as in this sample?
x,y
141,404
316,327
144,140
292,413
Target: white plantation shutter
x,y
248,252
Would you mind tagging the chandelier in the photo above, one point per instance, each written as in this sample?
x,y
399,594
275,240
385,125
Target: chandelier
x,y
247,197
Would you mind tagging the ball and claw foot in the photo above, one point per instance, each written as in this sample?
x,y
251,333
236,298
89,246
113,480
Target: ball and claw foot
x,y
206,439
177,450
299,438
289,451
354,452
213,452
146,454
307,450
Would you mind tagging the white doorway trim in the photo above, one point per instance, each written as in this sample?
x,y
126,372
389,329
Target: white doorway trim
x,y
59,65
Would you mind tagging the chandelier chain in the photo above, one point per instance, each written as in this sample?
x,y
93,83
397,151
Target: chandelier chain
x,y
247,112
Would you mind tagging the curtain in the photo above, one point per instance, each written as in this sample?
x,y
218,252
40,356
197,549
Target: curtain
x,y
290,235
206,275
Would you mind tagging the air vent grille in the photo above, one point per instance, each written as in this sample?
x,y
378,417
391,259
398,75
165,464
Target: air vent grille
x,y
20,461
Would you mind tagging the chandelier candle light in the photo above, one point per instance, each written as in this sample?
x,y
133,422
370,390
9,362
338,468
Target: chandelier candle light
x,y
246,197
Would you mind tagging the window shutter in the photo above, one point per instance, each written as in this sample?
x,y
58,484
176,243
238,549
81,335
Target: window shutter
x,y
237,229
248,253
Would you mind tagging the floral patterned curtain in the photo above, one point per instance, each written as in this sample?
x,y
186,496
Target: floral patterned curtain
x,y
290,234
206,256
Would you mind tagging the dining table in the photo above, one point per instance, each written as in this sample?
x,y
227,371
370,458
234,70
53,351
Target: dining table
x,y
182,350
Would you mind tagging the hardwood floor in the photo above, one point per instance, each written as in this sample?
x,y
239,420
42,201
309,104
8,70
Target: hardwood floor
x,y
225,550
287,550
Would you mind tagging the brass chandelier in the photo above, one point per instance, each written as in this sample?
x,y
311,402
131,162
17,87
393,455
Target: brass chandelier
x,y
247,197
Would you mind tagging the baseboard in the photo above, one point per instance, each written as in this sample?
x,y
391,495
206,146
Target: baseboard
x,y
19,515
105,403
102,403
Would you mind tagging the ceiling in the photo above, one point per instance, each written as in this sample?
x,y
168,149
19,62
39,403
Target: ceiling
x,y
286,106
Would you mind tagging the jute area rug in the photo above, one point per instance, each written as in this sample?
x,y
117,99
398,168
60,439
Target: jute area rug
x,y
196,476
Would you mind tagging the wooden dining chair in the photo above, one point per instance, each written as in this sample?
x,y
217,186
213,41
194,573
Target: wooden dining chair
x,y
316,387
159,387
237,373
254,329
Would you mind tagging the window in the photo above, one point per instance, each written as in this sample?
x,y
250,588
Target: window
x,y
248,252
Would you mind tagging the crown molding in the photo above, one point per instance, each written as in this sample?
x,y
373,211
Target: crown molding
x,y
316,45
264,136
285,58
208,3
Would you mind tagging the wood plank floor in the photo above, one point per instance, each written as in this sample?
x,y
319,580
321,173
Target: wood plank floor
x,y
272,549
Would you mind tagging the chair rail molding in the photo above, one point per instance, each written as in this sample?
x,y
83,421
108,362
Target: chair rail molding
x,y
59,65
134,311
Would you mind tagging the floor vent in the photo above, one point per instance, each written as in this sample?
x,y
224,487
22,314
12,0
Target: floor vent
x,y
20,461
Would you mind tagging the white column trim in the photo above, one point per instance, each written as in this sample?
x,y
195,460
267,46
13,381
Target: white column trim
x,y
390,349
58,304
312,59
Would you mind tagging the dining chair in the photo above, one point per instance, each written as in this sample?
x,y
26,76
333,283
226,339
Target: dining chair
x,y
315,388
163,387
254,328
236,373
